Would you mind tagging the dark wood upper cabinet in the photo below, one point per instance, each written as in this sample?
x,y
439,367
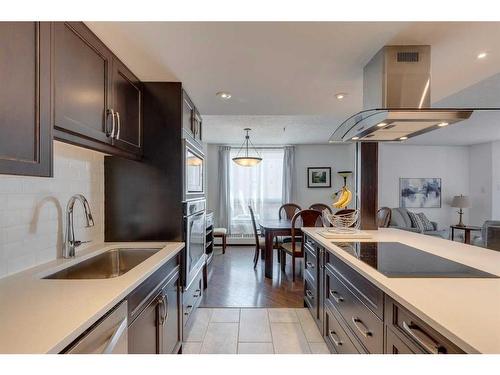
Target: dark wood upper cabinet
x,y
127,107
81,82
191,118
97,100
25,127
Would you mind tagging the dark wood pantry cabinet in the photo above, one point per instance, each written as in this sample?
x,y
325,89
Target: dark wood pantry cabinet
x,y
97,99
25,126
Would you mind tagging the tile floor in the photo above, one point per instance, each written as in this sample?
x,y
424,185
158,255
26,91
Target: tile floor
x,y
253,331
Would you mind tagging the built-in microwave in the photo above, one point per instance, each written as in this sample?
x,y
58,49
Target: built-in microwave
x,y
194,165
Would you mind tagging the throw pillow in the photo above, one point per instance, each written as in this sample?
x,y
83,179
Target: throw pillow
x,y
416,222
425,221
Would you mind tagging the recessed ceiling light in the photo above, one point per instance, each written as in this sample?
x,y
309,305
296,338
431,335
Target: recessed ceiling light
x,y
355,138
382,124
403,138
443,124
224,95
482,55
340,95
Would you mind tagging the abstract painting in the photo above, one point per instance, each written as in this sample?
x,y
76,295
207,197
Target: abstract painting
x,y
420,192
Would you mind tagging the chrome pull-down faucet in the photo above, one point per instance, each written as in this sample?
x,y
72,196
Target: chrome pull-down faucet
x,y
70,244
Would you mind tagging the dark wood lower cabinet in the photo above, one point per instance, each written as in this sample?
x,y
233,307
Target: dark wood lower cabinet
x,y
155,308
394,345
25,107
357,317
416,334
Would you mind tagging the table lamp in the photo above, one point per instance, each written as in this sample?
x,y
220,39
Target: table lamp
x,y
461,202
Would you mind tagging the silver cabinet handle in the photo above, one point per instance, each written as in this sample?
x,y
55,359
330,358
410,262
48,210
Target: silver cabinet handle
x,y
309,294
165,310
333,336
360,326
162,305
118,125
309,265
336,296
188,309
112,113
423,339
113,340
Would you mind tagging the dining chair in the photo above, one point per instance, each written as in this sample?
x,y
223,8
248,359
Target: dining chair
x,y
383,217
287,210
295,248
260,243
320,207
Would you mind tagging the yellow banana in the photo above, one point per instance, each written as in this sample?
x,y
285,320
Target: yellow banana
x,y
342,198
348,200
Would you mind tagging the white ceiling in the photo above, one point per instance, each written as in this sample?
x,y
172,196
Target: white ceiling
x,y
285,75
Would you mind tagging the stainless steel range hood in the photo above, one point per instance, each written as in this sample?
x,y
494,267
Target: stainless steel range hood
x,y
396,98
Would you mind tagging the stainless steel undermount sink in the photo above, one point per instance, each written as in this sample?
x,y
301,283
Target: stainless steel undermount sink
x,y
112,263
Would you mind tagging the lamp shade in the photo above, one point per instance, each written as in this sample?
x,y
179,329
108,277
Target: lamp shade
x,y
460,201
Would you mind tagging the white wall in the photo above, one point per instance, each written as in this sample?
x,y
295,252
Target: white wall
x,y
495,179
338,157
480,183
450,163
212,170
32,208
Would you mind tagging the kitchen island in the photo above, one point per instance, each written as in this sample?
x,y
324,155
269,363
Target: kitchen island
x,y
366,311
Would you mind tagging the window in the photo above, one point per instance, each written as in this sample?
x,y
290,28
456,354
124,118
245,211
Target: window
x,y
259,187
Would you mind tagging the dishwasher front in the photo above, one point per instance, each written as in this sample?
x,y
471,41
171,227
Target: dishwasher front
x,y
107,336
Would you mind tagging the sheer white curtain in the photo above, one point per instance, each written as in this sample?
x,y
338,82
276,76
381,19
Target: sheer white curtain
x,y
288,174
224,202
259,186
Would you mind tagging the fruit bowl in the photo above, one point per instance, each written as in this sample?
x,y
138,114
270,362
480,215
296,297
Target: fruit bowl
x,y
344,222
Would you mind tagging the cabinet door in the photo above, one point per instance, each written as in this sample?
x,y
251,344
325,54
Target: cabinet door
x,y
143,332
197,126
82,66
187,114
171,334
127,104
25,128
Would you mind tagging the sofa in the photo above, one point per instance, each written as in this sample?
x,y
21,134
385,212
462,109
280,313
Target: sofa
x,y
400,219
490,235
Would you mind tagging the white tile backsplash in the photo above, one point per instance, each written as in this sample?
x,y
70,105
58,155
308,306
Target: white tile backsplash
x,y
32,208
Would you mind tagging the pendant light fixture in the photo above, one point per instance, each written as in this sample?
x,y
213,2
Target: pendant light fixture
x,y
245,160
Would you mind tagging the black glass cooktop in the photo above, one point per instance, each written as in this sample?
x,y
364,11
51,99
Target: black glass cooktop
x,y
394,259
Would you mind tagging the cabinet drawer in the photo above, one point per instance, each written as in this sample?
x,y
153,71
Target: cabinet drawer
x,y
311,298
367,327
336,335
371,296
311,265
192,296
394,345
419,336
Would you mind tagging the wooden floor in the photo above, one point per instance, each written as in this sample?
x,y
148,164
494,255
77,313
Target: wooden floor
x,y
233,282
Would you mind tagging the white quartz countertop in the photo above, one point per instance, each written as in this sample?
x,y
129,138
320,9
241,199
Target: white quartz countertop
x,y
44,316
466,310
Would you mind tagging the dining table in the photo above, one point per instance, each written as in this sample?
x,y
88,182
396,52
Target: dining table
x,y
271,228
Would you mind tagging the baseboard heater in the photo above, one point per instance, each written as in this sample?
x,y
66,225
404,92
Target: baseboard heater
x,y
238,239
